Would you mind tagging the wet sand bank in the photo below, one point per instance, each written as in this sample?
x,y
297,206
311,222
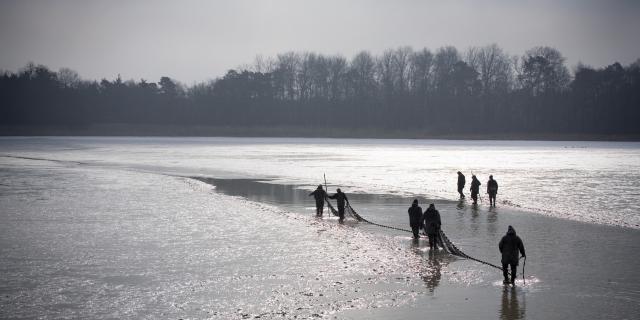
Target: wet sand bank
x,y
574,270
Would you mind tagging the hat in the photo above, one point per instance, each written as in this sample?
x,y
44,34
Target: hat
x,y
415,201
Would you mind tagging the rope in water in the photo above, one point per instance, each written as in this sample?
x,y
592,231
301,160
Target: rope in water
x,y
443,239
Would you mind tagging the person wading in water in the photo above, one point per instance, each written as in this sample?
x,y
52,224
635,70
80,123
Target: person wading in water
x,y
319,194
432,225
341,198
475,188
509,247
461,183
492,190
415,218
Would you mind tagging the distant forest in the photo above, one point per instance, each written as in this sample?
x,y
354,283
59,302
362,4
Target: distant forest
x,y
400,93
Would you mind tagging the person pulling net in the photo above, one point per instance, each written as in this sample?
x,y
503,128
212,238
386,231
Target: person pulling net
x,y
441,238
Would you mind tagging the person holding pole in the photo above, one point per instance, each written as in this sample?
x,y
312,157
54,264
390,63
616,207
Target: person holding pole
x,y
475,188
509,246
319,194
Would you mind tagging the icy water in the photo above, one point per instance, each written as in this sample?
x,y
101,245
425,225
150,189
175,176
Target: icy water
x,y
223,228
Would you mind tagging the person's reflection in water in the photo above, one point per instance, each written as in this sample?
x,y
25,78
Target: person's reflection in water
x,y
492,225
460,204
510,307
431,276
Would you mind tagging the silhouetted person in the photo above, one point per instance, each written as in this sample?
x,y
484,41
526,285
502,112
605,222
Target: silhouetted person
x,y
341,198
432,225
319,194
461,183
509,246
415,218
475,188
492,190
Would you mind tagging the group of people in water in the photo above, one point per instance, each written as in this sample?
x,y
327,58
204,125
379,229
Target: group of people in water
x,y
492,188
320,195
510,245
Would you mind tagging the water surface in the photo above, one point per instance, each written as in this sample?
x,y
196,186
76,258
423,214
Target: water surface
x,y
117,228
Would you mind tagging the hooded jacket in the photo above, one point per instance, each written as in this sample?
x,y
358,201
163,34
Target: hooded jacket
x,y
432,220
319,195
340,197
461,180
415,215
509,247
475,185
492,186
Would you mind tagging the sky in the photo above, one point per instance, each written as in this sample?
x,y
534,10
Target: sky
x,y
194,41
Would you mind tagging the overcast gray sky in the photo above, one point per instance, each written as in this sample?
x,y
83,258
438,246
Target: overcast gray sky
x,y
192,41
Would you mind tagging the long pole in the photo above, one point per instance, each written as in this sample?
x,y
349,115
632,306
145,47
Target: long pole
x,y
326,190
523,264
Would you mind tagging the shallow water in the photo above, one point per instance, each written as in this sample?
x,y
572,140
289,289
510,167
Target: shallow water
x,y
104,243
587,267
584,181
115,228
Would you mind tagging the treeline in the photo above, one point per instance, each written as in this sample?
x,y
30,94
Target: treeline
x,y
421,93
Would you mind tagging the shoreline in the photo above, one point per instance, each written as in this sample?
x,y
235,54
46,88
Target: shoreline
x,y
149,130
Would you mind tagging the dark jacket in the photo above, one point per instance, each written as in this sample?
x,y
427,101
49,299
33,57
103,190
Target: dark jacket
x,y
319,194
340,197
475,185
492,186
509,247
415,215
432,221
461,181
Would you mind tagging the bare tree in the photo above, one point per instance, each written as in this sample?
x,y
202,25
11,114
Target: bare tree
x,y
337,77
69,78
420,71
543,70
444,65
385,72
285,75
362,74
401,63
494,67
